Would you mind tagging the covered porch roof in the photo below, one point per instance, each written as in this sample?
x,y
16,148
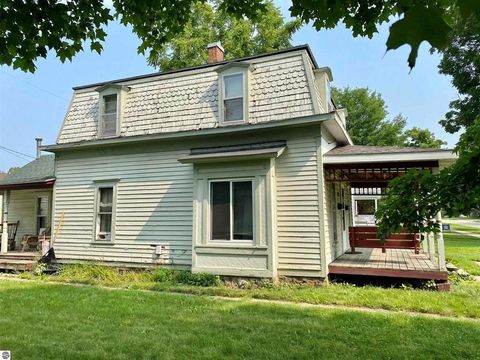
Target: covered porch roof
x,y
375,166
37,174
362,154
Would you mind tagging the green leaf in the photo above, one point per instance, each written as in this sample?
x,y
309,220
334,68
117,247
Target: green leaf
x,y
417,25
96,46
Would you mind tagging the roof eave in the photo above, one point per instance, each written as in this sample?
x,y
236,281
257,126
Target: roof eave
x,y
230,129
386,157
35,184
202,66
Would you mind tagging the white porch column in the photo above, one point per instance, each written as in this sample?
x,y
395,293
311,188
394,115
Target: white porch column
x,y
440,244
4,245
431,246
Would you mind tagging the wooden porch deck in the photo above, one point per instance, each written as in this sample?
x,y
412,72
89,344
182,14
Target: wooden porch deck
x,y
18,261
400,263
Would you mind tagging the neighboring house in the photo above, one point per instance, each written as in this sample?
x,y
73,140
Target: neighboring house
x,y
239,168
27,196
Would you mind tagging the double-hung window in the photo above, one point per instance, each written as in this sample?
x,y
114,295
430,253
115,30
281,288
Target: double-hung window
x,y
109,118
42,213
231,204
233,97
104,216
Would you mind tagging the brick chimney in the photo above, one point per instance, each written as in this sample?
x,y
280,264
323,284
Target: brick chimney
x,y
216,53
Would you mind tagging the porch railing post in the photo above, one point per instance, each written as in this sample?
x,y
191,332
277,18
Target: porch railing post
x,y
440,244
4,245
431,246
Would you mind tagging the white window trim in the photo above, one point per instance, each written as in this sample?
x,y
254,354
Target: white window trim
x,y
96,224
47,217
111,89
102,113
221,107
209,213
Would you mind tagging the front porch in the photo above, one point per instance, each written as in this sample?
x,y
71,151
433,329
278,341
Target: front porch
x,y
363,173
399,263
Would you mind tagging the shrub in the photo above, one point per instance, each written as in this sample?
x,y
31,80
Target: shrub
x,y
163,275
199,279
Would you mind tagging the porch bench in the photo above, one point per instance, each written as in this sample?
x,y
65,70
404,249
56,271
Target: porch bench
x,y
366,237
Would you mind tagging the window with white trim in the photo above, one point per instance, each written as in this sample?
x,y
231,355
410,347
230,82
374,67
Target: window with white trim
x,y
233,97
231,210
104,212
42,214
109,116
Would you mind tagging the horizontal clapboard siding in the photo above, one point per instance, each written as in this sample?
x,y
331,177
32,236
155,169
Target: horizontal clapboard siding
x,y
154,207
298,209
22,207
154,203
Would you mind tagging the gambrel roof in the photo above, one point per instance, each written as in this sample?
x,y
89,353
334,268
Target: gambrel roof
x,y
281,87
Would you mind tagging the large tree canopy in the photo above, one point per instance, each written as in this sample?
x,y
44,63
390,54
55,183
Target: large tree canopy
x,y
239,36
29,29
456,189
367,121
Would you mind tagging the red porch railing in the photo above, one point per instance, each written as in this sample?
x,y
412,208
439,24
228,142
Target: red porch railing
x,y
366,237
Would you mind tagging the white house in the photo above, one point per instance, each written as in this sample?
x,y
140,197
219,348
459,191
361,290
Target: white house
x,y
241,168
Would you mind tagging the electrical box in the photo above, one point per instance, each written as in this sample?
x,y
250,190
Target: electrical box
x,y
158,250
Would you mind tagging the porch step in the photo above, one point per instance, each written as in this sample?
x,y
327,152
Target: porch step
x,y
20,255
18,261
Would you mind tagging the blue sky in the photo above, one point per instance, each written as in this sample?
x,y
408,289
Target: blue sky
x,y
35,105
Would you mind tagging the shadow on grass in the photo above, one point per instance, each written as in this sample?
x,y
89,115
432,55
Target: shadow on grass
x,y
67,322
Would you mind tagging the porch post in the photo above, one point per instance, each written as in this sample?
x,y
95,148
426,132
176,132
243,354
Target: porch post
x,y
431,246
440,244
4,245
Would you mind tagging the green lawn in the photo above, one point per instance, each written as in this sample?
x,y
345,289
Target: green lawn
x,y
463,251
471,229
44,321
462,301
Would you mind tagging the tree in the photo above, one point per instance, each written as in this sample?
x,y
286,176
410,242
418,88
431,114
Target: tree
x,y
240,37
461,61
29,29
366,119
424,138
456,188
367,123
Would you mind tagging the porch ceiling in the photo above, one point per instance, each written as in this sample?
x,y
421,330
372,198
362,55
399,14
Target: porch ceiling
x,y
373,174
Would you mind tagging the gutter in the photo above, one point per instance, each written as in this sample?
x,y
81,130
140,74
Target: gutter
x,y
29,185
229,129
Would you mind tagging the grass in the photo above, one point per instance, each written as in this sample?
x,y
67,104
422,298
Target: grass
x,y
45,321
470,229
463,251
462,301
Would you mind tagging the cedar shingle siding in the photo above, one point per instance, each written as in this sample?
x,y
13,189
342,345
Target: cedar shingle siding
x,y
189,101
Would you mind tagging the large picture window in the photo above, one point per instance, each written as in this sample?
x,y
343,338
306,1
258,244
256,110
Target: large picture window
x,y
233,97
231,203
104,213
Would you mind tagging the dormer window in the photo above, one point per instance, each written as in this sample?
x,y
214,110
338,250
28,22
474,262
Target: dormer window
x,y
109,115
233,97
233,93
111,100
